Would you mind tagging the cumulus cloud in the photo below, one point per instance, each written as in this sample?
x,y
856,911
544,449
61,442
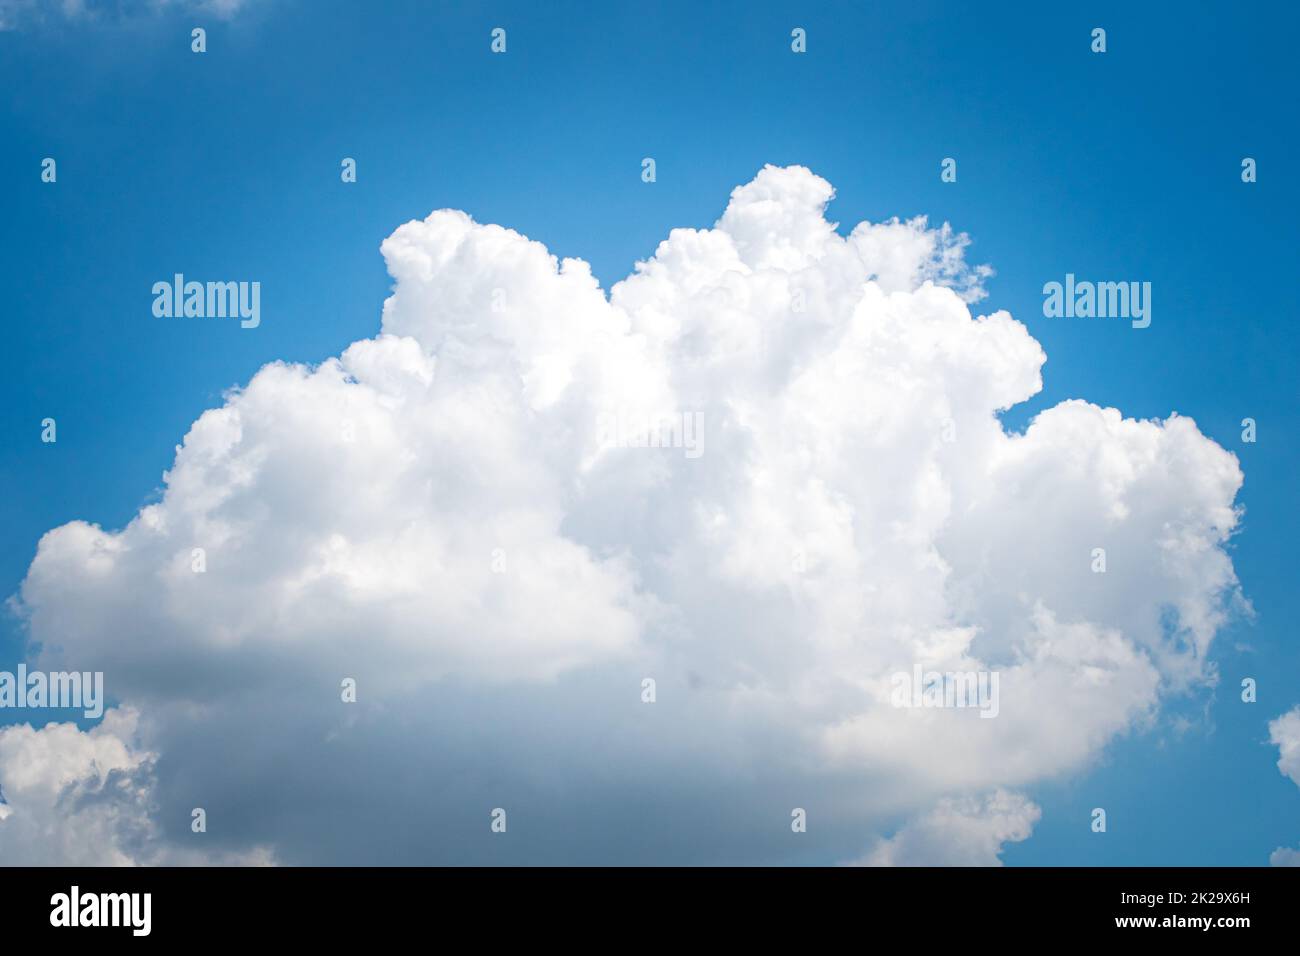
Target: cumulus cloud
x,y
1284,732
440,514
959,832
74,798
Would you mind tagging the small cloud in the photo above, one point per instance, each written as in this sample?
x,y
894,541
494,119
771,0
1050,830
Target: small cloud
x,y
1283,856
965,831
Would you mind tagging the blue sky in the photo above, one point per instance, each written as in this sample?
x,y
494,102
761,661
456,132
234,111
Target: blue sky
x,y
1124,165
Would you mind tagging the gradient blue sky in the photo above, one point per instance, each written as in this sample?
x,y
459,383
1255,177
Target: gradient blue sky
x,y
1119,166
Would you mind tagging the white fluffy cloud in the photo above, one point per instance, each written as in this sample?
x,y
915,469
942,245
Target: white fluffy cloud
x,y
438,514
1284,732
959,832
76,798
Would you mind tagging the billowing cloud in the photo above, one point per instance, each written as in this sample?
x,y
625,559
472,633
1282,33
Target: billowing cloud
x,y
74,798
766,472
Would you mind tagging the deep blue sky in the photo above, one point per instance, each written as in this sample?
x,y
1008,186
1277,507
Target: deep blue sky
x,y
1122,165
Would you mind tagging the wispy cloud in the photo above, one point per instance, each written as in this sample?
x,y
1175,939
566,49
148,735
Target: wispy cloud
x,y
16,14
